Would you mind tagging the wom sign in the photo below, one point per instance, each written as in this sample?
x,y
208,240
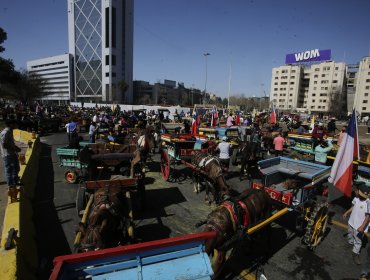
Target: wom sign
x,y
307,56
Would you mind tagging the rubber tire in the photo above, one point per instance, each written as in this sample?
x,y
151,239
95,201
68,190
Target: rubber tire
x,y
71,176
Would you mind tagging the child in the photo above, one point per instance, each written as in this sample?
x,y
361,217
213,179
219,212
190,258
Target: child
x,y
358,220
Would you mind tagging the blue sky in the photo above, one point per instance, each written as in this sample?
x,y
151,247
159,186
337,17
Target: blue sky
x,y
170,37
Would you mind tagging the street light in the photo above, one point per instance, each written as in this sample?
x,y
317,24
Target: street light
x,y
205,85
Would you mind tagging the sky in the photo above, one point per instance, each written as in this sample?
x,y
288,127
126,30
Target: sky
x,y
245,39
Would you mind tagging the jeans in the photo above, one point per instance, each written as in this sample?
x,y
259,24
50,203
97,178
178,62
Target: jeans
x,y
11,165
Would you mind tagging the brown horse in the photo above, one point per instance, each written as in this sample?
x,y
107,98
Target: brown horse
x,y
250,154
232,219
107,225
209,173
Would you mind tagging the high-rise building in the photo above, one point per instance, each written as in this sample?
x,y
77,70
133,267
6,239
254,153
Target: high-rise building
x,y
56,72
101,42
308,87
362,97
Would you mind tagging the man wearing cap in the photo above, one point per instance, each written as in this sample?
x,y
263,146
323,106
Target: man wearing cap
x,y
224,156
318,133
358,220
9,153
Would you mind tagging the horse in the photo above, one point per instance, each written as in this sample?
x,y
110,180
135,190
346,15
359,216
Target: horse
x,y
249,155
232,219
107,226
209,171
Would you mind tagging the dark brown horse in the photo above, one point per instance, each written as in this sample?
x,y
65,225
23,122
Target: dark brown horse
x,y
209,173
232,219
250,154
107,224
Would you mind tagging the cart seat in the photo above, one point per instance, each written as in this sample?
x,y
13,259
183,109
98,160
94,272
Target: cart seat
x,y
272,170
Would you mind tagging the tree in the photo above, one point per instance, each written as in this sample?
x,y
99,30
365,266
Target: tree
x,y
338,103
3,37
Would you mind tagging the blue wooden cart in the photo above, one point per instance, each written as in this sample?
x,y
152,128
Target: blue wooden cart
x,y
298,186
180,257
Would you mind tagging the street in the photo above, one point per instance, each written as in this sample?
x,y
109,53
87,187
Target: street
x,y
173,209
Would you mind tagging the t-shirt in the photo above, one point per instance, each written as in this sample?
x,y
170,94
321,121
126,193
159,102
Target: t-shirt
x,y
359,211
229,121
224,148
279,143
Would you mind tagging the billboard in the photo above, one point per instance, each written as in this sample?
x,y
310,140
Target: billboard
x,y
308,56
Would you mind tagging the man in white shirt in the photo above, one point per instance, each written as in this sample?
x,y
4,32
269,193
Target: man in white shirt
x,y
224,156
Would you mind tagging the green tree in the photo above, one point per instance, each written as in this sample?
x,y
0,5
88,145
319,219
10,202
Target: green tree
x,y
338,103
3,37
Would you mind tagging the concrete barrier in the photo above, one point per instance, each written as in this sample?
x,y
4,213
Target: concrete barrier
x,y
21,260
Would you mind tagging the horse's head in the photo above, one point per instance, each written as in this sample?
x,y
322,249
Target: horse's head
x,y
219,221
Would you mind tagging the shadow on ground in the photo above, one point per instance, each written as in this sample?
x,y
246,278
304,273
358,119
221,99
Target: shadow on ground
x,y
51,241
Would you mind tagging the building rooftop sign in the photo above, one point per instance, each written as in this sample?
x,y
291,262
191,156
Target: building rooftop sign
x,y
308,56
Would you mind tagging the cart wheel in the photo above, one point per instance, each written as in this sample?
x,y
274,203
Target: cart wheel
x,y
316,226
165,165
81,200
70,176
234,158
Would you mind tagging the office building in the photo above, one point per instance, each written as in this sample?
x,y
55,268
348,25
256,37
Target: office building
x,y
57,73
101,42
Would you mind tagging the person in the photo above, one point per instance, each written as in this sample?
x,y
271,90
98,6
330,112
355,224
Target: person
x,y
321,151
318,134
9,153
341,135
301,129
229,121
73,134
358,220
92,132
279,145
224,156
332,126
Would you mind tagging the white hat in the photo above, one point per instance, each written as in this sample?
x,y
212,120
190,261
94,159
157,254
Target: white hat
x,y
321,124
224,138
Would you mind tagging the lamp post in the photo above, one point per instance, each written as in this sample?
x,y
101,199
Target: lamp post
x,y
205,84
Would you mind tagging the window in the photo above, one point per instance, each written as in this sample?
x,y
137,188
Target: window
x,y
314,94
336,68
314,88
293,71
107,27
324,100
313,100
335,81
276,78
292,77
312,107
366,94
317,69
316,76
284,71
275,89
290,100
276,83
275,94
367,87
323,107
291,94
323,75
283,83
315,82
113,27
365,101
292,83
276,72
367,80
363,108
107,74
107,60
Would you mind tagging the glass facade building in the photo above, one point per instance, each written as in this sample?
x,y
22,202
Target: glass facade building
x,y
101,41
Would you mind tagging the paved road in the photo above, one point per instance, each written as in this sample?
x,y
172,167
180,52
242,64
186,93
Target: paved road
x,y
173,209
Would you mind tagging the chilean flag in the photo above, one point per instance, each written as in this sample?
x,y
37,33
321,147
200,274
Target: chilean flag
x,y
194,124
273,115
237,119
341,171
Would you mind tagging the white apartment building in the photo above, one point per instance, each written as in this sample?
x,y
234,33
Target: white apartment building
x,y
306,87
326,79
101,42
56,72
362,97
285,86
